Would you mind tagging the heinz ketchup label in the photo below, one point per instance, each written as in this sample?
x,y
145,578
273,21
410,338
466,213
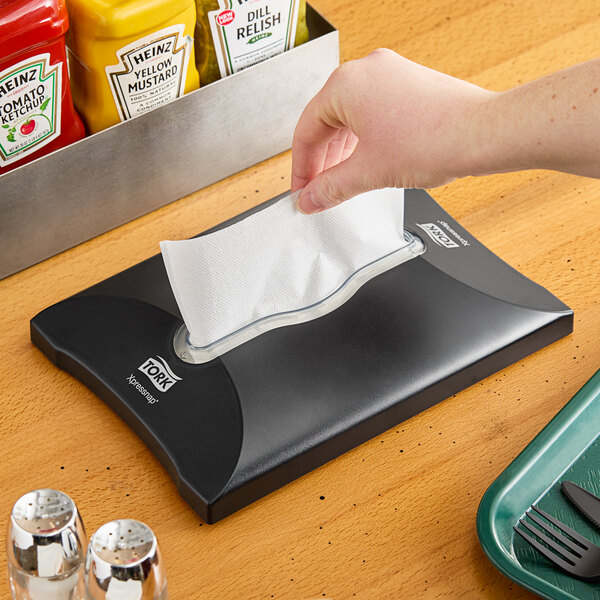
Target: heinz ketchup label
x,y
29,107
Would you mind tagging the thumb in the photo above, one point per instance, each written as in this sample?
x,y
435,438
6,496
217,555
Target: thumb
x,y
331,187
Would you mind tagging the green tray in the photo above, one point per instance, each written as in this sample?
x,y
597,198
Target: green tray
x,y
567,448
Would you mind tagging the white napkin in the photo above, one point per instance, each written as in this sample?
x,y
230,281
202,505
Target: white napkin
x,y
279,266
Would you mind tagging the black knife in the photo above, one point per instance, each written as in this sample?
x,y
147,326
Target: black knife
x,y
585,502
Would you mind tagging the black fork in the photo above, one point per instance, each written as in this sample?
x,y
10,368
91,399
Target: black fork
x,y
575,555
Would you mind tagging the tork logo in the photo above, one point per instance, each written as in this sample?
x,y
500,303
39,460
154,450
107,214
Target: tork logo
x,y
437,235
159,373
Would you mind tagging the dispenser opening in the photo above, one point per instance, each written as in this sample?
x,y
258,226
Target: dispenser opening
x,y
190,353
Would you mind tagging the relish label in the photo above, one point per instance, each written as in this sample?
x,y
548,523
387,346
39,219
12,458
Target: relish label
x,y
151,71
246,32
29,107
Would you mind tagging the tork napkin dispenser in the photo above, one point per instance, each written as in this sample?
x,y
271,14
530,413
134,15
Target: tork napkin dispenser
x,y
233,429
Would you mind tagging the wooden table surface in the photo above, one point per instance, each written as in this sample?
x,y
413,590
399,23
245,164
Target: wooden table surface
x,y
394,518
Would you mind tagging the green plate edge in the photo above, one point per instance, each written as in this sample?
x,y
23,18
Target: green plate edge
x,y
561,442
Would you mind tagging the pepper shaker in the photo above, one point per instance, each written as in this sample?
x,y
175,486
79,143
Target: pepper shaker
x,y
45,545
124,563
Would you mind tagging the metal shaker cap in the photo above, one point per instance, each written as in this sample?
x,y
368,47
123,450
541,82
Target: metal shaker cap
x,y
46,536
124,562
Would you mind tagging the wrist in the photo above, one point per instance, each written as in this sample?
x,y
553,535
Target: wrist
x,y
482,147
508,134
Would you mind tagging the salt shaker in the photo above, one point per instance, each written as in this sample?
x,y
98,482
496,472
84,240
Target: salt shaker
x,y
45,544
124,563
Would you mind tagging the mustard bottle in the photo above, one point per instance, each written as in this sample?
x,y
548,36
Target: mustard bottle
x,y
235,34
127,57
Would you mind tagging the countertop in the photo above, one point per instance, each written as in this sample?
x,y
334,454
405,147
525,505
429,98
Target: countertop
x,y
394,518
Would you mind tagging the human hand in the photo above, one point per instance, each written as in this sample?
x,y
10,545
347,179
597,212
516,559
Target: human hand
x,y
384,121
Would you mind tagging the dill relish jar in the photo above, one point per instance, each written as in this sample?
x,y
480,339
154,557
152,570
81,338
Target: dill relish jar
x,y
233,35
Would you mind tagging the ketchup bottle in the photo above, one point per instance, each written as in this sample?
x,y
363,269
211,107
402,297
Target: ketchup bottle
x,y
36,109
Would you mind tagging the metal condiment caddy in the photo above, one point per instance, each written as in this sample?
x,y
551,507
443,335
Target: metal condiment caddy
x,y
136,166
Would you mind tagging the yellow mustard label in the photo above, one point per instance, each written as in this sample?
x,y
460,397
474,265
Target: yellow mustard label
x,y
127,57
151,71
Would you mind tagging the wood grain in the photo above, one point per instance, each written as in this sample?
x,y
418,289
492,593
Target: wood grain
x,y
398,515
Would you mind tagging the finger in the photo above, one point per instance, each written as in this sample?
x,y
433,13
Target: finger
x,y
335,185
314,131
307,161
337,148
351,142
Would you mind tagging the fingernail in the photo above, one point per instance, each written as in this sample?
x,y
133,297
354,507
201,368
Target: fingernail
x,y
307,204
